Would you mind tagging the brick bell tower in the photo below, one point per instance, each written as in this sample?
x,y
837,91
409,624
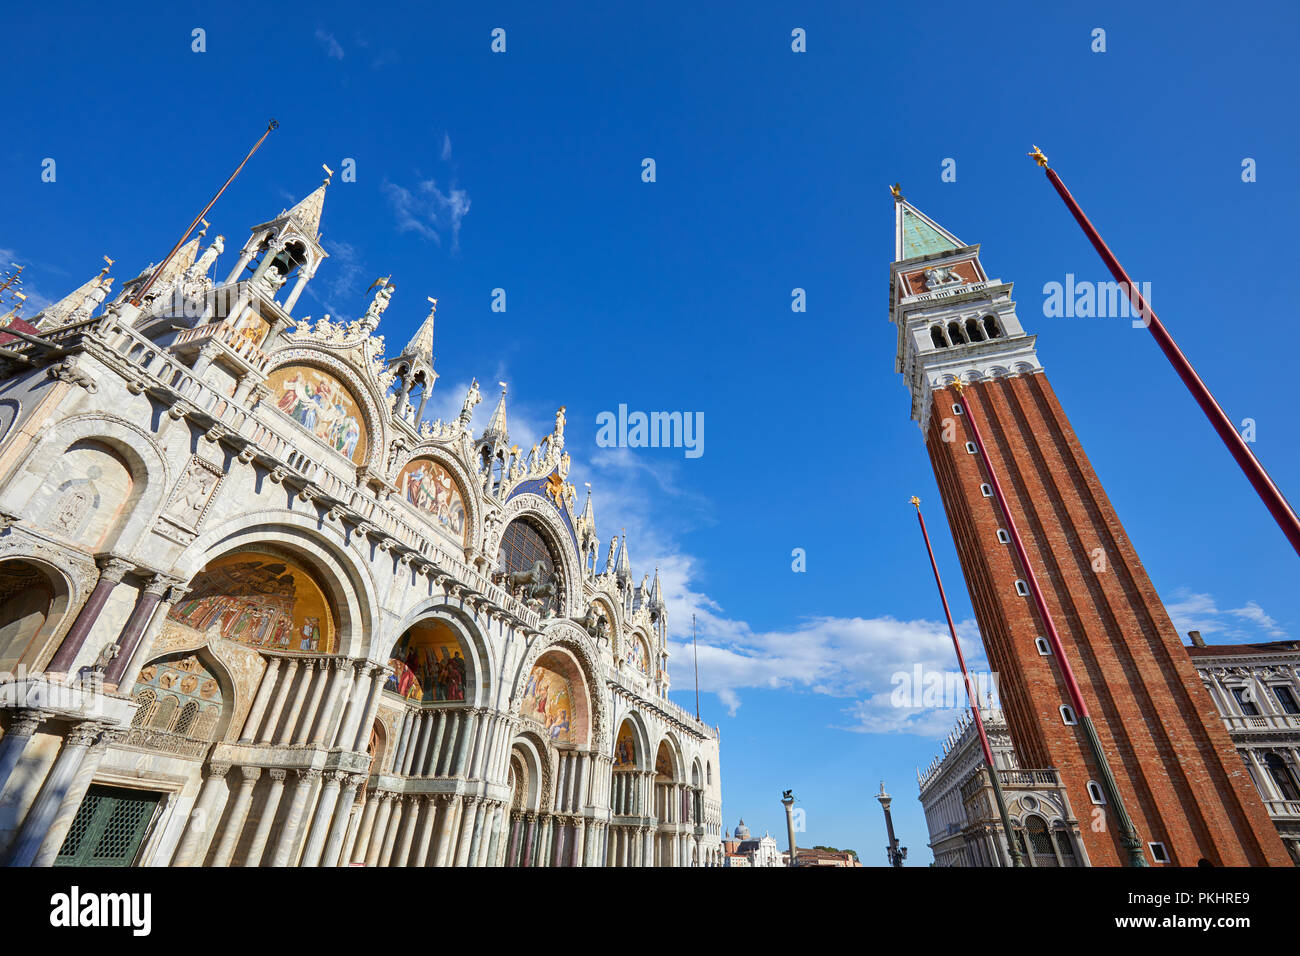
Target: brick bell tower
x,y
1174,768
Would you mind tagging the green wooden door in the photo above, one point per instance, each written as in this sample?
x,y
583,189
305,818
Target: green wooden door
x,y
109,827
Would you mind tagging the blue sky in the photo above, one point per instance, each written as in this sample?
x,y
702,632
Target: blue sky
x,y
522,171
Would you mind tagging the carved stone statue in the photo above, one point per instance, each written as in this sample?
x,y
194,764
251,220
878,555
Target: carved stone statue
x,y
613,547
376,308
472,398
92,301
204,262
942,276
106,655
273,279
559,426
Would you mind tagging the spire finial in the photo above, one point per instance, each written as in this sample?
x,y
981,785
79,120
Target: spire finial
x,y
329,174
897,191
916,501
1039,157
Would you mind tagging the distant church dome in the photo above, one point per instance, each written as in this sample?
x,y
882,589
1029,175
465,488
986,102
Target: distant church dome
x,y
742,831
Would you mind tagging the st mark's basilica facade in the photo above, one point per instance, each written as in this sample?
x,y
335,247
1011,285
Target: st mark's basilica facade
x,y
256,610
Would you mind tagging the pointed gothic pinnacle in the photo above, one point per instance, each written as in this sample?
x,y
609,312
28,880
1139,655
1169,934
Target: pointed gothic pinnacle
x,y
1039,157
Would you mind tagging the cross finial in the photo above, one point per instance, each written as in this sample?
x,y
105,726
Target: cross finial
x,y
957,386
1039,157
916,501
329,174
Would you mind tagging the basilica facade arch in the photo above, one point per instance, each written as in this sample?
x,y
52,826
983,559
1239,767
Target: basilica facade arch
x,y
261,606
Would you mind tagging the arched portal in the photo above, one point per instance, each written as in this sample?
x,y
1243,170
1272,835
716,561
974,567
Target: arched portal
x,y
184,703
557,701
31,605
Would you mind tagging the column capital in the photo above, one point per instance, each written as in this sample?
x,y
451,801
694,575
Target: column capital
x,y
355,780
25,722
83,734
334,777
218,769
278,774
113,568
310,773
250,775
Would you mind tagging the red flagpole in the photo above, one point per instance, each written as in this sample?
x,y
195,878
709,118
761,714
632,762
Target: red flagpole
x,y
1259,478
971,695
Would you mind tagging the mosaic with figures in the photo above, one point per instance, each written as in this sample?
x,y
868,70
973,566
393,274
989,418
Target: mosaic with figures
x,y
428,486
321,404
261,600
178,695
428,665
548,699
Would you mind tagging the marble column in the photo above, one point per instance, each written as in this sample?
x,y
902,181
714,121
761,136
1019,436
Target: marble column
x,y
579,835
238,816
531,819
466,738
267,819
129,640
203,819
320,677
444,762
362,738
110,576
67,812
394,829
421,857
341,670
442,843
375,845
293,821
419,741
22,726
358,690
258,710
404,733
298,699
362,842
342,816
471,805
431,760
410,816
273,719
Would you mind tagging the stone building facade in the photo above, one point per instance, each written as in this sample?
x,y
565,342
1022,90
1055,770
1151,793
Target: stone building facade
x,y
1256,688
961,813
256,610
1174,766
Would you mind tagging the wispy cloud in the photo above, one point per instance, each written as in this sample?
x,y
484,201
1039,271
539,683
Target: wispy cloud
x,y
428,210
1194,611
333,49
339,285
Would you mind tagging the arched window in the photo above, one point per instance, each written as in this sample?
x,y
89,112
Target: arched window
x,y
955,333
524,552
166,713
973,330
1094,793
991,327
148,701
1040,840
189,713
936,336
1067,715
1065,849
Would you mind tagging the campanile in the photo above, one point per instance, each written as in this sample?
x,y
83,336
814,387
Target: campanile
x,y
1183,784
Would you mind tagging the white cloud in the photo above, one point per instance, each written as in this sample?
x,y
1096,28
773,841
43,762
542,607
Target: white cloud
x,y
446,147
1195,611
428,210
332,48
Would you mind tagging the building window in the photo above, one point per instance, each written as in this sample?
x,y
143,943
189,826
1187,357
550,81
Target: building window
x,y
936,336
991,327
1095,794
973,331
1022,588
956,410
1159,853
1043,647
1003,536
1246,701
1067,715
1286,699
986,490
1282,776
